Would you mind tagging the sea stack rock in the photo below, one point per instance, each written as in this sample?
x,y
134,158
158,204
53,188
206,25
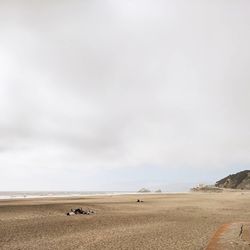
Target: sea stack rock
x,y
144,190
158,191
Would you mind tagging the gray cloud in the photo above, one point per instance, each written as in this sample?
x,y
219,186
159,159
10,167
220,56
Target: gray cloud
x,y
92,85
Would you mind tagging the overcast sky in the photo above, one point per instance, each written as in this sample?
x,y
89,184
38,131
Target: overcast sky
x,y
120,94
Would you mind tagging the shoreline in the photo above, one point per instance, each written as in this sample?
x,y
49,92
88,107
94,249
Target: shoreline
x,y
27,197
81,194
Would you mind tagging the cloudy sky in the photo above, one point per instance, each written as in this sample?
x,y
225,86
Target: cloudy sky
x,y
120,94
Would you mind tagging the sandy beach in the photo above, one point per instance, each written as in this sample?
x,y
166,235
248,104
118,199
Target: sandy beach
x,y
162,221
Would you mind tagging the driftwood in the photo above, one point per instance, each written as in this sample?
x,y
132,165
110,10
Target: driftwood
x,y
241,230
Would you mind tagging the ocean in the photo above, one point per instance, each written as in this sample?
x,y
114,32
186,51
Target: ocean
x,y
41,194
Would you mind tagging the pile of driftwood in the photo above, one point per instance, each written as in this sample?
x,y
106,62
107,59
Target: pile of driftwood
x,y
80,211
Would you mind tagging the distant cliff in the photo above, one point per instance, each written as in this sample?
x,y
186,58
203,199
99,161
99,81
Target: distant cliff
x,y
240,180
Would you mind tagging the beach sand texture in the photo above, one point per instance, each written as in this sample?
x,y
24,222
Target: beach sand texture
x,y
162,221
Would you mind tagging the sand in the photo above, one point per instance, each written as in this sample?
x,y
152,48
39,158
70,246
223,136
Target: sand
x,y
162,221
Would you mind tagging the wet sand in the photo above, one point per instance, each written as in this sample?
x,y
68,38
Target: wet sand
x,y
162,221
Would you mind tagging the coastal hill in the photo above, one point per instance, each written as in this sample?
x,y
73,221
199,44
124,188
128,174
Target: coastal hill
x,y
240,180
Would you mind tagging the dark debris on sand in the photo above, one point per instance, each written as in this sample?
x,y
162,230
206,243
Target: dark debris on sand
x,y
80,211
